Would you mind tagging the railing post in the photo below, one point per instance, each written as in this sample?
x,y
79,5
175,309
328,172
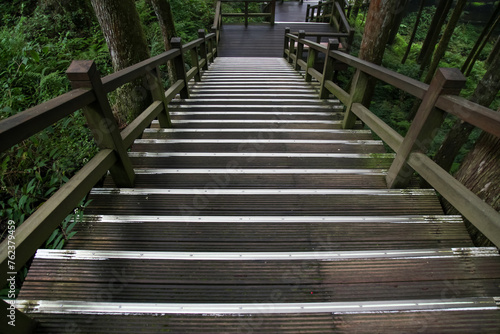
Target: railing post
x,y
300,49
308,11
180,68
318,12
158,94
273,12
196,63
22,324
333,45
423,129
246,13
203,48
357,92
287,43
100,119
212,45
291,50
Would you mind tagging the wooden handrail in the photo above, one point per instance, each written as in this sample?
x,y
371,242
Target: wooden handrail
x,y
90,93
482,215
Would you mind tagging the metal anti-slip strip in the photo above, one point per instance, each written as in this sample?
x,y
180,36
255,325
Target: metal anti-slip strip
x,y
153,171
258,130
256,141
252,121
82,307
274,219
101,255
286,113
191,191
260,155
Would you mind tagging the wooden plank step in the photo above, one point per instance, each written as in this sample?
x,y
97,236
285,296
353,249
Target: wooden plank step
x,y
352,272
221,201
256,133
255,159
242,145
262,123
256,233
459,321
178,114
326,104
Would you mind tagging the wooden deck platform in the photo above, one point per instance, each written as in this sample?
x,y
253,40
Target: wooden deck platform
x,y
257,213
264,40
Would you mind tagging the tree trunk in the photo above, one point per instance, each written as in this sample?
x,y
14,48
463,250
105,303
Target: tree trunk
x,y
484,94
445,40
163,12
481,42
355,9
414,32
376,34
480,172
494,52
398,18
127,44
433,33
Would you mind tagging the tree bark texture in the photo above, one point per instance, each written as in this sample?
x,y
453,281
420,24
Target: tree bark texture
x,y
398,18
163,12
376,34
433,33
480,172
484,94
481,42
414,32
127,44
445,40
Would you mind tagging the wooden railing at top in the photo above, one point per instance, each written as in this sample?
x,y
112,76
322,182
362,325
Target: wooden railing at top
x,y
90,94
271,15
410,150
334,13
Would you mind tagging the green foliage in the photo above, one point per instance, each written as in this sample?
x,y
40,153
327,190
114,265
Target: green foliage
x,y
408,23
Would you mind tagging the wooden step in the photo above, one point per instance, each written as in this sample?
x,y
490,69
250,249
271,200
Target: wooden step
x,y
268,233
217,200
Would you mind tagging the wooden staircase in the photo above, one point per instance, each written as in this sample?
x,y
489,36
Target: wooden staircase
x,y
257,213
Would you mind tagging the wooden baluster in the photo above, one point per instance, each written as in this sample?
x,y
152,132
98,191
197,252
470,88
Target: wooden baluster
x,y
328,69
100,119
246,13
287,43
291,51
158,94
426,124
300,50
319,11
213,44
180,68
308,12
273,12
203,48
357,92
196,63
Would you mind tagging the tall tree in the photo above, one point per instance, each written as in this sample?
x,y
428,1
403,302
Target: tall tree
x,y
398,18
445,40
376,34
484,94
355,9
163,12
127,44
414,32
480,172
433,33
481,41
